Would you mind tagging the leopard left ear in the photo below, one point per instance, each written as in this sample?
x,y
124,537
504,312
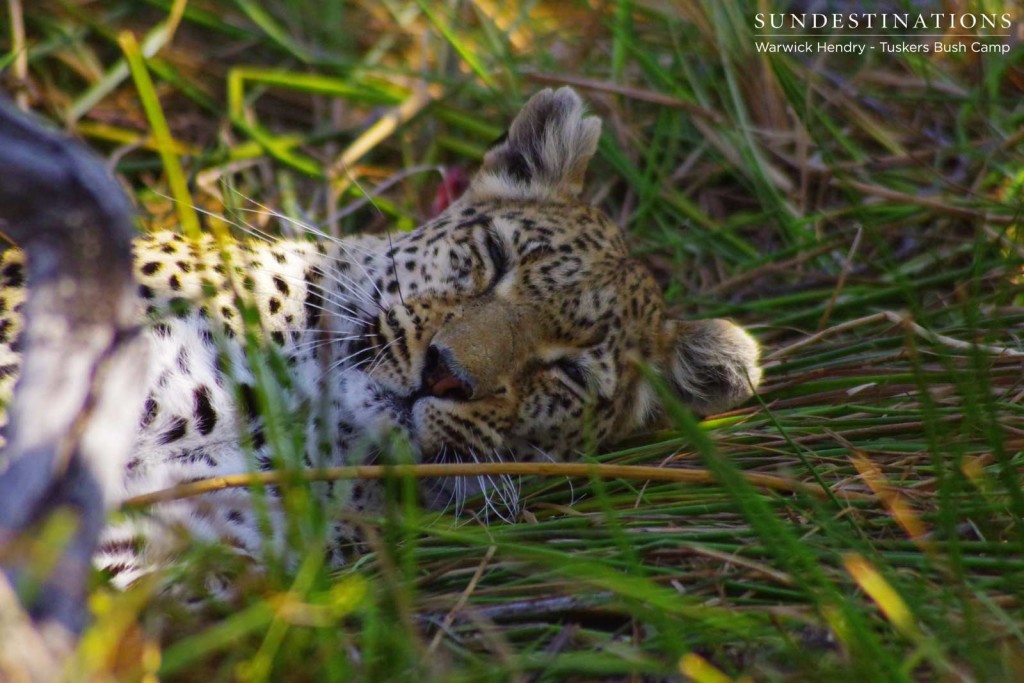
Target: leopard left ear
x,y
544,154
711,364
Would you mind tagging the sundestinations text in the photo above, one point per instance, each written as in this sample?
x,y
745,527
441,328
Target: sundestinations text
x,y
882,20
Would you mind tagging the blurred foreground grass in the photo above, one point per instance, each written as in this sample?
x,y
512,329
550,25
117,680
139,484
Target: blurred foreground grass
x,y
861,214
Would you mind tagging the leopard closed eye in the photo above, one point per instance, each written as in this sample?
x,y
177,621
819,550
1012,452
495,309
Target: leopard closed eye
x,y
511,327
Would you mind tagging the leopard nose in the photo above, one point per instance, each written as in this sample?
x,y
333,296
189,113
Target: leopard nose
x,y
440,380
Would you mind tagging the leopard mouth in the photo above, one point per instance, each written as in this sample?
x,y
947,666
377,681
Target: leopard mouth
x,y
500,494
401,407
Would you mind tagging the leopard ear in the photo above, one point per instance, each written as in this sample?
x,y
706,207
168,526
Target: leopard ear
x,y
544,154
711,364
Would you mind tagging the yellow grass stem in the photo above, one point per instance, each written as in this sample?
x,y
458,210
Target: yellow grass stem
x,y
165,143
386,125
700,670
883,594
636,472
153,42
19,49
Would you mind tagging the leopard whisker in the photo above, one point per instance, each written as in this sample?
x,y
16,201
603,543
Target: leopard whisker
x,y
549,458
349,284
313,344
396,178
453,495
347,247
375,363
507,489
327,340
342,361
264,210
497,489
248,229
483,482
325,294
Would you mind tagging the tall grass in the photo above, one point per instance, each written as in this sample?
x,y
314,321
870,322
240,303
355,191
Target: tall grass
x,y
861,214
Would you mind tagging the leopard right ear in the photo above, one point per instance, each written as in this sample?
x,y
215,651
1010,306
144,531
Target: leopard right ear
x,y
711,365
544,154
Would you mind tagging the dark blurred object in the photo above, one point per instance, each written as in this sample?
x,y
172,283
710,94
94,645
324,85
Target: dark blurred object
x,y
78,396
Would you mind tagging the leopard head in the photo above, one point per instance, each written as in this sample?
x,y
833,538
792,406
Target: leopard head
x,y
523,323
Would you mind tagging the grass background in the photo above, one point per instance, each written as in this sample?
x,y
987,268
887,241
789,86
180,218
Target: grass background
x,y
859,213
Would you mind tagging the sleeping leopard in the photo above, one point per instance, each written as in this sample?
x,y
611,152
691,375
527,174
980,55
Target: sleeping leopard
x,y
514,326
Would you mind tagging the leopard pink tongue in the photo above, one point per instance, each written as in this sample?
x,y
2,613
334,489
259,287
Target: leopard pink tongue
x,y
446,384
